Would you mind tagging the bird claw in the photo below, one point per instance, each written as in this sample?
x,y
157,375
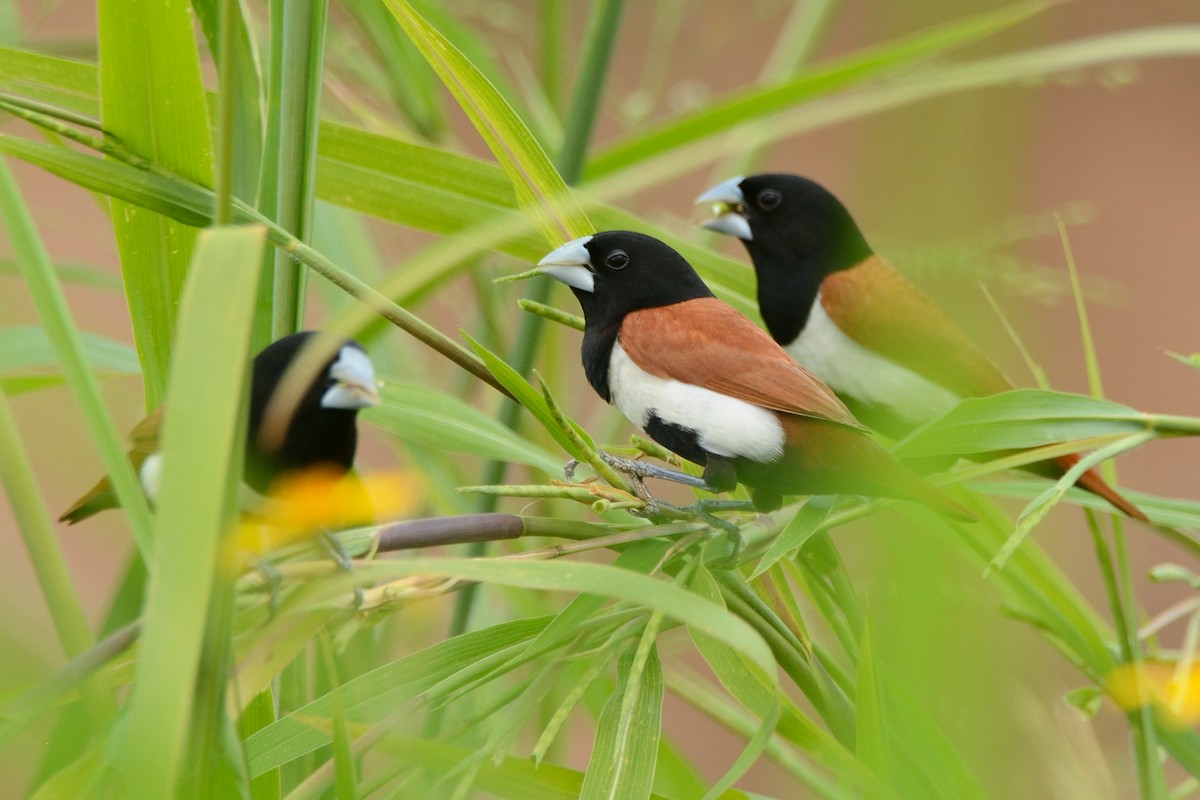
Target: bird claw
x,y
644,469
272,582
336,551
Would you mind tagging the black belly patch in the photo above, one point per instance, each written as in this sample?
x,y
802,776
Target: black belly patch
x,y
682,441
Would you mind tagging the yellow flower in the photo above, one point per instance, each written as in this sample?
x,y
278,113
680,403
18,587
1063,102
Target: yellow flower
x,y
1173,689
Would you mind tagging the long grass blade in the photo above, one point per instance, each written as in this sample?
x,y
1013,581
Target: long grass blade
x,y
202,461
153,100
541,191
303,48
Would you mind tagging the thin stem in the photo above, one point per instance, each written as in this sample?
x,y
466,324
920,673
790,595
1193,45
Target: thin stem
x,y
304,23
226,72
46,555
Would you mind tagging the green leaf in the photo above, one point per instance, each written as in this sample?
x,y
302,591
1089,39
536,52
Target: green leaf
x,y
25,346
541,191
201,452
153,102
298,36
626,744
178,199
510,779
619,584
1022,419
371,697
61,82
1041,505
749,756
803,524
60,327
422,414
873,745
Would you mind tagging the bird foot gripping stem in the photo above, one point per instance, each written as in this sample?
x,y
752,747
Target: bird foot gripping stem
x,y
701,509
337,552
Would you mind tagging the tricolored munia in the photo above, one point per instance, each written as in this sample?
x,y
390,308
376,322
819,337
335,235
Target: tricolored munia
x,y
851,318
321,431
705,382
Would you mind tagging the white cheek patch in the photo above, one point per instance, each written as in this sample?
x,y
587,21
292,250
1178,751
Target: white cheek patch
x,y
853,370
355,376
725,425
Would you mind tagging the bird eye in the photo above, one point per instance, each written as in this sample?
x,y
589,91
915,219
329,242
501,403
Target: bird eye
x,y
617,260
769,199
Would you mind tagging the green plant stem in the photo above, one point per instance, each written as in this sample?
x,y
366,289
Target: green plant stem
x,y
226,71
49,564
593,69
1151,781
303,48
553,36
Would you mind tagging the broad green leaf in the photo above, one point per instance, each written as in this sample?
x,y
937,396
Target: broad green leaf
x,y
201,452
178,199
62,82
626,743
541,191
1030,418
428,416
153,102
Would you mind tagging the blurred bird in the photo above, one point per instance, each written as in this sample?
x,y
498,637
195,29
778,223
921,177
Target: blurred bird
x,y
320,433
846,314
708,384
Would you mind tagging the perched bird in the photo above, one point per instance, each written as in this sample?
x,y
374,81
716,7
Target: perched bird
x,y
846,314
705,382
321,431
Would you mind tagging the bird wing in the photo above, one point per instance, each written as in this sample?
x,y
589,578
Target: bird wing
x,y
707,343
876,306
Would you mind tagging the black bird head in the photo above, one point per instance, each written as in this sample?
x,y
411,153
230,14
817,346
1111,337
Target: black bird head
x,y
781,216
796,232
617,272
320,428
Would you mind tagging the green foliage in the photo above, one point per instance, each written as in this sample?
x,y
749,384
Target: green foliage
x,y
590,632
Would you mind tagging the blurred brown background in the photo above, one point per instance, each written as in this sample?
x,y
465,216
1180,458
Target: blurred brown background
x,y
1117,148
